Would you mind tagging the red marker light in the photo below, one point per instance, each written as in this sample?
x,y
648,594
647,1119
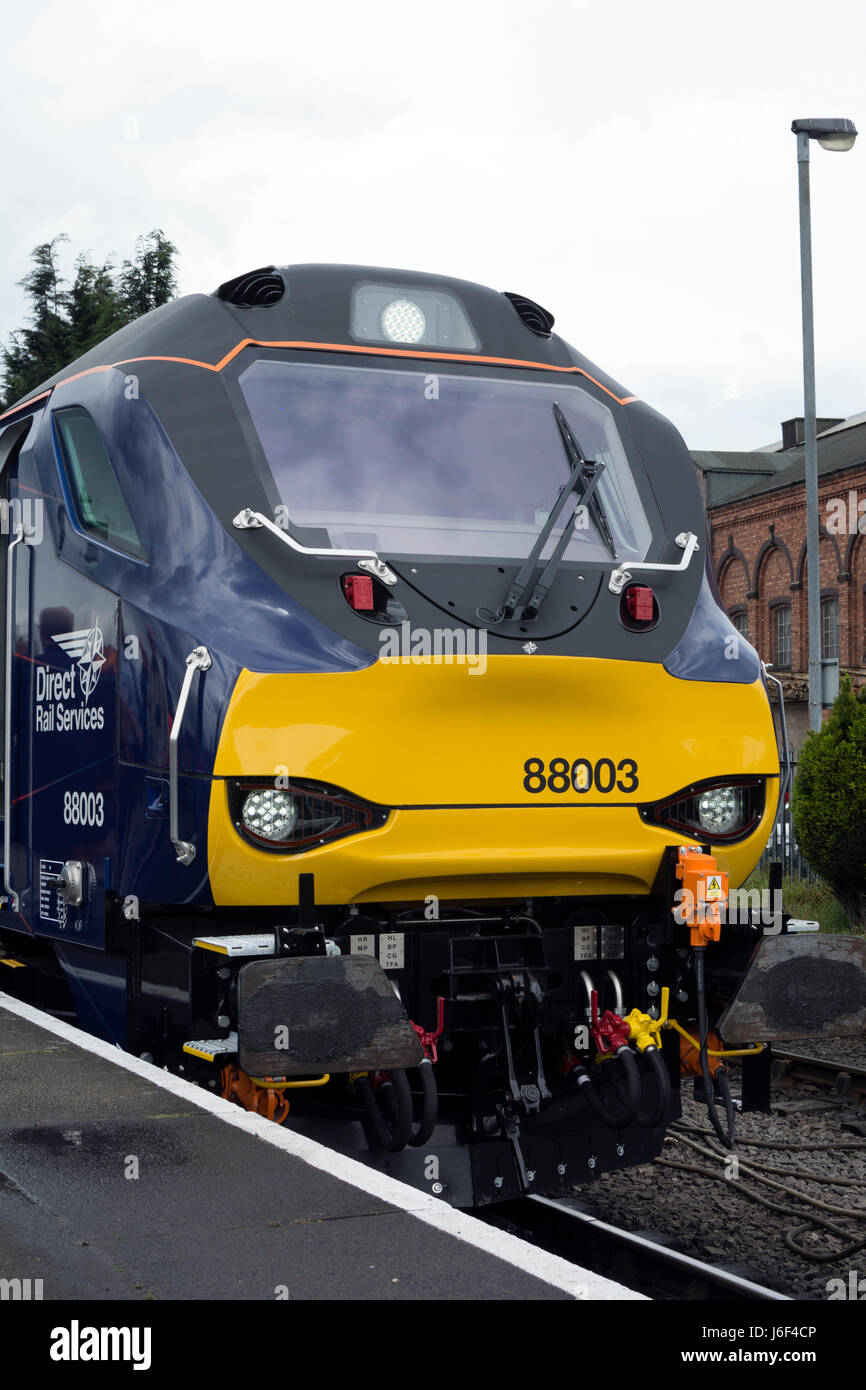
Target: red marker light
x,y
358,589
639,603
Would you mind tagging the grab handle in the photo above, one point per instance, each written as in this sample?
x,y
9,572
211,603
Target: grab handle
x,y
686,540
11,897
198,660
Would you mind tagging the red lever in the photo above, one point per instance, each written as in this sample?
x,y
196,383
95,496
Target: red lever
x,y
429,1040
608,1032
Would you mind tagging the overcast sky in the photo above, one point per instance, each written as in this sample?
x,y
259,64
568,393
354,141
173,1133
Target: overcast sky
x,y
629,165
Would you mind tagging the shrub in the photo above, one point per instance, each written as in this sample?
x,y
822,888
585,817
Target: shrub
x,y
828,802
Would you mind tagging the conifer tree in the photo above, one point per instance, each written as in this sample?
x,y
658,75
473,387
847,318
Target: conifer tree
x,y
66,321
828,802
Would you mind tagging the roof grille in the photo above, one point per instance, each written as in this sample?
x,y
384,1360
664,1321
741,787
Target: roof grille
x,y
536,318
255,290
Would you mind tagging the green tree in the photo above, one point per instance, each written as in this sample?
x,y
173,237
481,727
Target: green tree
x,y
42,349
93,307
149,280
66,321
828,802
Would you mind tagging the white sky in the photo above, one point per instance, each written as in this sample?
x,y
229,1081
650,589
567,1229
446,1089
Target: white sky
x,y
628,164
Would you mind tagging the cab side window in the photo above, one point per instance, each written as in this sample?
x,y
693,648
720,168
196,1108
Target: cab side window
x,y
99,503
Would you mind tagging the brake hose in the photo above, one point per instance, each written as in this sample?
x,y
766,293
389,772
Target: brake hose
x,y
615,1117
429,1104
389,1133
663,1088
725,1137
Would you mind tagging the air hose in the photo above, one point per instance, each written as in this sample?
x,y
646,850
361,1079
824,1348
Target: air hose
x,y
429,1104
663,1089
726,1137
614,1116
391,1132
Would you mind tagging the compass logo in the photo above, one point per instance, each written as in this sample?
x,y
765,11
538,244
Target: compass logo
x,y
85,648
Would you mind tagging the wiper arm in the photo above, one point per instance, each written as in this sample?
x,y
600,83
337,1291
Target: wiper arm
x,y
578,467
588,499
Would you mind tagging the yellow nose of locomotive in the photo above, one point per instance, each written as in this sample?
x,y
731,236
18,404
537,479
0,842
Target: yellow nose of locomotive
x,y
525,777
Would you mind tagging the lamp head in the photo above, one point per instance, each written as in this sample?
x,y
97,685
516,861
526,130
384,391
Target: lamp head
x,y
831,132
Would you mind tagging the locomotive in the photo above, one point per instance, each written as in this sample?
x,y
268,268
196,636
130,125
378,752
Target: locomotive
x,y
370,715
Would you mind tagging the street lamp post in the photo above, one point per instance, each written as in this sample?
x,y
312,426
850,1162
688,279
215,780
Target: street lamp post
x,y
831,134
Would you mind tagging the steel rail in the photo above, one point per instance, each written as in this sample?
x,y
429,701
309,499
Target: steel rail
x,y
562,1227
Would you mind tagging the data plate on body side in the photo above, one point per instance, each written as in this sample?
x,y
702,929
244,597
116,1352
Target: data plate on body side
x,y
585,943
391,952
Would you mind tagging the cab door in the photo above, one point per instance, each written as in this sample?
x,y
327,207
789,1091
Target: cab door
x,y
17,528
67,689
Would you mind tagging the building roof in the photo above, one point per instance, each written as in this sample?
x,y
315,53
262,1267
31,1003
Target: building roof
x,y
728,474
843,446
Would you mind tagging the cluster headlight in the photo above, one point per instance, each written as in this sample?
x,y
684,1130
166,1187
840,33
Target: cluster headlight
x,y
403,322
269,814
300,816
411,314
722,811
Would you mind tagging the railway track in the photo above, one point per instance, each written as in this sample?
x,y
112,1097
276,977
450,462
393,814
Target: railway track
x,y
847,1080
640,1261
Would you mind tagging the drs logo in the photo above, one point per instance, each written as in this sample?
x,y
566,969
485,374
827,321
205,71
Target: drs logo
x,y
580,776
83,808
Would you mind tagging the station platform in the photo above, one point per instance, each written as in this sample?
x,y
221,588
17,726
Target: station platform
x,y
121,1181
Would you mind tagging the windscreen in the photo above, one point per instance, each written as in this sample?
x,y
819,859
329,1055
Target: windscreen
x,y
419,463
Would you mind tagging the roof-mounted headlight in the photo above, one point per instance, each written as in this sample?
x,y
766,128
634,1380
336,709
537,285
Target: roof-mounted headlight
x,y
401,314
403,322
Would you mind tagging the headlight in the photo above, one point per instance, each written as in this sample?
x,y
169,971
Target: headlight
x,y
718,810
411,314
403,322
721,809
269,815
301,816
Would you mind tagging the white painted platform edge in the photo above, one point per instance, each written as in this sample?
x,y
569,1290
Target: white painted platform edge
x,y
549,1269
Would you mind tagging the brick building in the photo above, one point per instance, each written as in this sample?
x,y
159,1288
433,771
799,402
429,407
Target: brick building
x,y
756,507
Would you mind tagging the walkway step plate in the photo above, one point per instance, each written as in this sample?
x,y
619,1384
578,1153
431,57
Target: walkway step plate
x,y
252,944
211,1048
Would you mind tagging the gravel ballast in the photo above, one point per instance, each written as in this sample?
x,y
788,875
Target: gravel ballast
x,y
712,1218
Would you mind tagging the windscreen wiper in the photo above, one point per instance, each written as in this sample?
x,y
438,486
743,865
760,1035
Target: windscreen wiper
x,y
588,500
579,467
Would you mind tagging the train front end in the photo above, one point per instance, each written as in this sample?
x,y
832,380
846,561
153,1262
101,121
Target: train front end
x,y
436,755
490,804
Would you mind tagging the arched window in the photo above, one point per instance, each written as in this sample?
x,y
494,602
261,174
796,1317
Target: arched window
x,y
829,628
740,618
780,617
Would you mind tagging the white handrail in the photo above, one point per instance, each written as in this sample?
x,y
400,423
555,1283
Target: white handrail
x,y
198,660
369,559
686,540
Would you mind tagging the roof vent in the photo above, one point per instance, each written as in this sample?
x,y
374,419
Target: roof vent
x,y
794,431
536,318
255,290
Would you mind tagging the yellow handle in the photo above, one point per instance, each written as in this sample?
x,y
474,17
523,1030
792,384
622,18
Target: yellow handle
x,y
666,1022
290,1085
